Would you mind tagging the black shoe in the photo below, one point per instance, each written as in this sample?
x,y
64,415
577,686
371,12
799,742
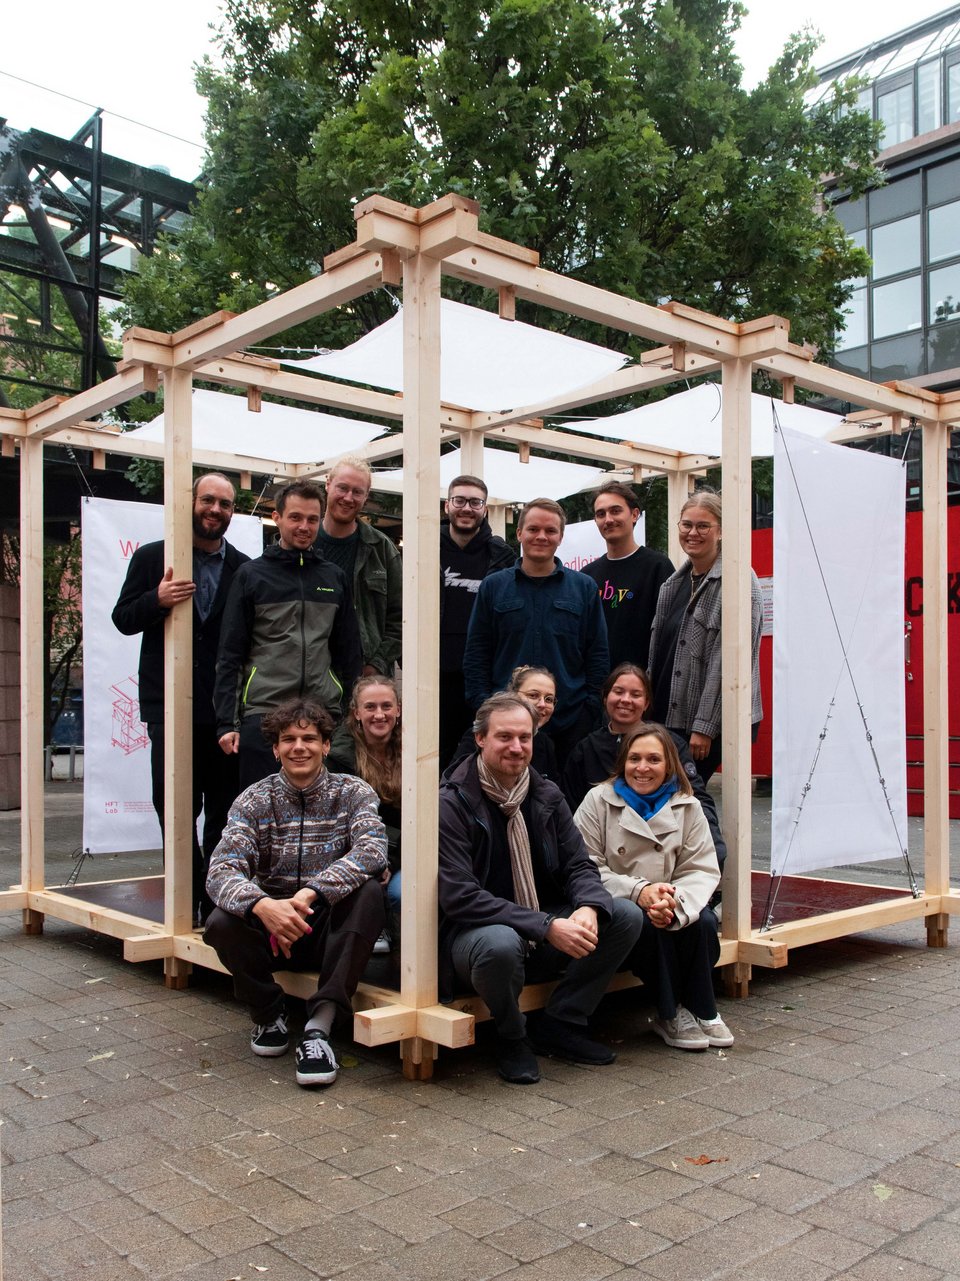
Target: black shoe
x,y
562,1040
316,1062
516,1061
270,1040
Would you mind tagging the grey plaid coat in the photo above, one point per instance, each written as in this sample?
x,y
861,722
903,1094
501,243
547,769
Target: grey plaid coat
x,y
695,690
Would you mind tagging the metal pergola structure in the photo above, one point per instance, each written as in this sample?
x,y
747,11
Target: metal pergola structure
x,y
100,205
399,245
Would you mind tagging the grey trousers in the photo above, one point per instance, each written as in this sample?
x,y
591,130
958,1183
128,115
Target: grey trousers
x,y
494,961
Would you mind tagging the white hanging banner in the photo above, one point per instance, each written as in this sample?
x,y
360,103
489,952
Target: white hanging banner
x,y
838,542
118,814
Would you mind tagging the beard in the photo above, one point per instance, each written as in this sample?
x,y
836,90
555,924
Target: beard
x,y
215,528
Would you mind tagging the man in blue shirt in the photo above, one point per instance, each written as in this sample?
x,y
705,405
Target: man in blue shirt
x,y
541,613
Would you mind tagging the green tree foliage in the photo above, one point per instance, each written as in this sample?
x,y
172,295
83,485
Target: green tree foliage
x,y
615,139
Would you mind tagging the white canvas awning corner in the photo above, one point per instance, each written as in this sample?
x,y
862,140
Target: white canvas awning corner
x,y
690,421
487,363
277,433
507,478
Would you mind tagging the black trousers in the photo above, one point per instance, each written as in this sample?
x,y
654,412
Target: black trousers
x,y
215,788
677,965
257,760
455,715
339,946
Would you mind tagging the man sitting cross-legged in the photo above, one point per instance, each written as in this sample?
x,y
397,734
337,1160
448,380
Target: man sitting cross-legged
x,y
295,880
520,899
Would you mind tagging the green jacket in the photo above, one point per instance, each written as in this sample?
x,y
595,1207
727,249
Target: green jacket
x,y
378,598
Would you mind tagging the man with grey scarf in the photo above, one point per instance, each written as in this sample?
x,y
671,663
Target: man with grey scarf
x,y
520,899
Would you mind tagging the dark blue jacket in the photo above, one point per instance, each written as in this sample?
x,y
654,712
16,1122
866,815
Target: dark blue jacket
x,y
554,622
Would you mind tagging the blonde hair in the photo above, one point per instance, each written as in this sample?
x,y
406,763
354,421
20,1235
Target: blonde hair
x,y
708,499
382,775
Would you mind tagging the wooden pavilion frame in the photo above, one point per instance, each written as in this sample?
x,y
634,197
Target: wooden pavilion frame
x,y
399,245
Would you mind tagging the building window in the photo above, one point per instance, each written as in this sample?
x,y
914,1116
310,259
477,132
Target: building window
x,y
895,113
854,332
944,288
944,232
896,307
896,247
953,93
928,97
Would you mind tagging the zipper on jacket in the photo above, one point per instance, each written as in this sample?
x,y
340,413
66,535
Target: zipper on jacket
x,y
246,688
303,633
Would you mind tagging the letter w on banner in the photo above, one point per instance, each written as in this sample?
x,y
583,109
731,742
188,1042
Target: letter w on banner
x,y
118,813
837,648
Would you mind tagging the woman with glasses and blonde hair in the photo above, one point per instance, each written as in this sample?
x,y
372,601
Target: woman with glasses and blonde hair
x,y
685,640
647,834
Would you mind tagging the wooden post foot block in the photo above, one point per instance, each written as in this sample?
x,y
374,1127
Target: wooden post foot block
x,y
938,927
384,1024
445,1026
771,955
32,921
176,973
417,1056
148,947
736,979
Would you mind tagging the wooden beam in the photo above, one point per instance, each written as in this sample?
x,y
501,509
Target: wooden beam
x,y
148,947
759,950
440,1024
45,419
33,718
852,920
936,708
178,655
735,633
421,615
912,401
384,1024
622,454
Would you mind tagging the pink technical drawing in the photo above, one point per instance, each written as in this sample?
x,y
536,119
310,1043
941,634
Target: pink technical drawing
x,y
128,731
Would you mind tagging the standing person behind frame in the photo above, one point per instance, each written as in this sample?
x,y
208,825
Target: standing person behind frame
x,y
628,576
289,631
469,551
149,593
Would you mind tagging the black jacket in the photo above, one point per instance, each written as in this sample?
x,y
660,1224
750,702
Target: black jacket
x,y
289,631
138,610
561,862
462,570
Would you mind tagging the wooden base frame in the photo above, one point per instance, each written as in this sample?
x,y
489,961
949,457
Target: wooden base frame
x,y
399,245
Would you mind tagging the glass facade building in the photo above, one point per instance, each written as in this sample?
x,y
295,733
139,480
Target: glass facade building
x,y
903,319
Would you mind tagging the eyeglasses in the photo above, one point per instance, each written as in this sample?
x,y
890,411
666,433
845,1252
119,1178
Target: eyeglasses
x,y
475,504
701,526
547,699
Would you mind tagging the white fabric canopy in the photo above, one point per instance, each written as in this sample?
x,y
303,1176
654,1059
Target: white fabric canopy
x,y
689,421
837,643
278,433
507,478
487,363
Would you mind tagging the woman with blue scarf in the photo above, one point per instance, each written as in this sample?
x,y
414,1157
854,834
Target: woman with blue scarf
x,y
647,834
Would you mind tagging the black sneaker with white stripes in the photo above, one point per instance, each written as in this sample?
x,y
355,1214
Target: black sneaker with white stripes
x,y
316,1062
270,1040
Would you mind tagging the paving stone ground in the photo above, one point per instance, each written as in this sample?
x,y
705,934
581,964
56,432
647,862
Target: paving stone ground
x,y
142,1139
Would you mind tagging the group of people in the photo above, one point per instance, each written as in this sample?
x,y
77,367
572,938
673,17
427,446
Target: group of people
x,y
577,836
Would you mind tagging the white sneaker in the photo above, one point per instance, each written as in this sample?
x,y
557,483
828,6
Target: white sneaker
x,y
682,1032
716,1031
382,945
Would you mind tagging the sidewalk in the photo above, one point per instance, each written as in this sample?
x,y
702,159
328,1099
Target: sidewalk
x,y
141,1138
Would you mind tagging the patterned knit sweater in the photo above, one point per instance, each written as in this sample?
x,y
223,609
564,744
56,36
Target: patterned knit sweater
x,y
279,839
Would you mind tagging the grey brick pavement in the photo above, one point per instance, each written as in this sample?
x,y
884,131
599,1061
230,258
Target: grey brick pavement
x,y
142,1139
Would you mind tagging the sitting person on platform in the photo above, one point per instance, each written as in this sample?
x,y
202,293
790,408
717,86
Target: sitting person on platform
x,y
296,883
520,900
647,834
367,743
538,687
627,695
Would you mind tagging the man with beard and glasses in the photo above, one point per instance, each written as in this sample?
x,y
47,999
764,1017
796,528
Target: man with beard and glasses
x,y
149,593
469,551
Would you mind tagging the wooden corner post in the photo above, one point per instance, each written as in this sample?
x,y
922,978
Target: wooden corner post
x,y
421,619
936,793
178,667
736,666
32,712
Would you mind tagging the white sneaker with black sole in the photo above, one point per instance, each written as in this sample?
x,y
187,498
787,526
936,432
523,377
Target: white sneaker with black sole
x,y
316,1062
270,1040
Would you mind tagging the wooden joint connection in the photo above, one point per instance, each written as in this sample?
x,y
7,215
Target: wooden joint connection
x,y
678,351
246,480
99,460
254,399
508,302
789,387
391,267
524,449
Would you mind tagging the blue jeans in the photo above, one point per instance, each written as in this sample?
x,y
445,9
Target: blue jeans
x,y
494,961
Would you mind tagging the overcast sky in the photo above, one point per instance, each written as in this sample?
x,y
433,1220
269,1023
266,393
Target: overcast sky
x,y
137,61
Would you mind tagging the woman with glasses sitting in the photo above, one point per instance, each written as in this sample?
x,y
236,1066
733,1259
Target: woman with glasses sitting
x,y
685,640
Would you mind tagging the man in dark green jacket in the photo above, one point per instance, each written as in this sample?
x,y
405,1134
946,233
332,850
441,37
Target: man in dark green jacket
x,y
289,631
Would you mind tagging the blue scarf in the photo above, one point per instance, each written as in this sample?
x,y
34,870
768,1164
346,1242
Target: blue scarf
x,y
646,806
